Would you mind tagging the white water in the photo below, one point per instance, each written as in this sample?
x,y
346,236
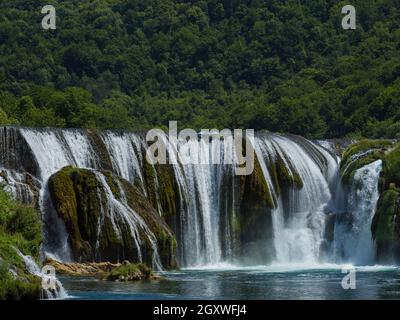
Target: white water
x,y
125,155
200,180
80,149
34,269
49,151
54,150
119,213
298,225
207,203
16,185
51,155
353,238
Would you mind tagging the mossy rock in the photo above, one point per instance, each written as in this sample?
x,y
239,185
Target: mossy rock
x,y
79,198
166,240
256,202
130,272
100,150
284,177
368,151
391,169
74,194
162,188
386,226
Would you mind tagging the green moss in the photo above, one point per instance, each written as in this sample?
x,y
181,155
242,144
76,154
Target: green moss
x,y
235,223
130,272
256,199
362,146
374,150
20,229
287,176
385,225
391,168
104,160
282,176
112,183
274,175
79,198
166,240
162,188
63,193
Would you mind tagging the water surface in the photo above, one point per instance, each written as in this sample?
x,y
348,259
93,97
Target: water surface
x,y
228,282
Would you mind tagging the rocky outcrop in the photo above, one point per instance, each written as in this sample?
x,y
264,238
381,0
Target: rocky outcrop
x,y
82,269
257,201
130,272
361,154
109,219
386,222
121,272
391,169
386,227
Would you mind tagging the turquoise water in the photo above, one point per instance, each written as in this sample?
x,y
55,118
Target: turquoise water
x,y
227,282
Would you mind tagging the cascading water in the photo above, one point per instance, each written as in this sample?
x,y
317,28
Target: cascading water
x,y
32,267
125,151
202,180
51,155
209,193
353,238
298,220
120,214
16,185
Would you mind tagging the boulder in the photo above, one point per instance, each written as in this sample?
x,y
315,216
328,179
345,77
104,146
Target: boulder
x,y
109,219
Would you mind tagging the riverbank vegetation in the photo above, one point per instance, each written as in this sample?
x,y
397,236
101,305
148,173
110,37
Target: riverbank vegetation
x,y
20,230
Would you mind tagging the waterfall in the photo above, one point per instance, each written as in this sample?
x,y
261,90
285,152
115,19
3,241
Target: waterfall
x,y
203,209
58,293
126,155
120,215
80,149
208,194
353,238
299,218
51,155
49,151
16,184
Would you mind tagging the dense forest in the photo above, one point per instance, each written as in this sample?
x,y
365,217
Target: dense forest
x,y
280,65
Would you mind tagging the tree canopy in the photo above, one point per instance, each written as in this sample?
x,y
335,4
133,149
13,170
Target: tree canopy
x,y
280,65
